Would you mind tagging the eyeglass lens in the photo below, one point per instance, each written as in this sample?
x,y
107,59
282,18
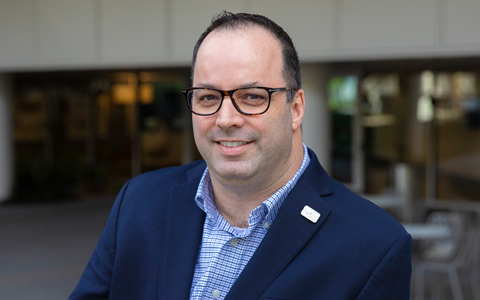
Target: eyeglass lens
x,y
250,101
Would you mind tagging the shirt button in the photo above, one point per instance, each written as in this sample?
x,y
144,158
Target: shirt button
x,y
216,294
234,242
266,225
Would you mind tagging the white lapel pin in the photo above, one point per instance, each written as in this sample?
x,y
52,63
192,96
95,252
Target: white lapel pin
x,y
310,214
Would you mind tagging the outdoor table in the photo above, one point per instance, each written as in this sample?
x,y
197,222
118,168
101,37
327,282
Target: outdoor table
x,y
422,231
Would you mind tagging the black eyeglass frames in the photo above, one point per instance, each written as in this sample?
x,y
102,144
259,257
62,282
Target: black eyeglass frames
x,y
248,100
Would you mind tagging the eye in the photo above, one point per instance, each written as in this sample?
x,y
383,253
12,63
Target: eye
x,y
208,97
252,96
205,98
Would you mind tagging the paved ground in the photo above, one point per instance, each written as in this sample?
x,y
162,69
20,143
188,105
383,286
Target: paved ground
x,y
44,249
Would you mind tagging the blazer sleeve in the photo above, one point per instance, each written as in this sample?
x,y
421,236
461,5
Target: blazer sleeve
x,y
96,279
391,278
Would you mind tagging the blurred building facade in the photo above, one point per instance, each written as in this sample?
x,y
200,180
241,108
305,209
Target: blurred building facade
x,y
89,90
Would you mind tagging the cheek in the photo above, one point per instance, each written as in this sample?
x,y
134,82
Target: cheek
x,y
199,125
280,120
271,130
198,132
201,128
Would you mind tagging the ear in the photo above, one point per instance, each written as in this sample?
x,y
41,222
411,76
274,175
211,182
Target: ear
x,y
298,109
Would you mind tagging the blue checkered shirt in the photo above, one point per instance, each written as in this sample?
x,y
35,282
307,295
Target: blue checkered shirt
x,y
226,250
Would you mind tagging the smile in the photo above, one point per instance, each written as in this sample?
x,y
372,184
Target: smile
x,y
232,144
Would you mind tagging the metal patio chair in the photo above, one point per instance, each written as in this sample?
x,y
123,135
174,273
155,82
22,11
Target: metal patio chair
x,y
449,255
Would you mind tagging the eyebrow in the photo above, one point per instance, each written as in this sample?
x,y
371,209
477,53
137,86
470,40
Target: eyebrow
x,y
210,86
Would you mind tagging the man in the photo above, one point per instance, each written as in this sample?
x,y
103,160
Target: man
x,y
259,218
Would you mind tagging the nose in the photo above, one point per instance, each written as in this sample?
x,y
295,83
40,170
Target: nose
x,y
228,116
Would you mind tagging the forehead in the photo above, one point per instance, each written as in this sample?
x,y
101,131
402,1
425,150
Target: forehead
x,y
234,53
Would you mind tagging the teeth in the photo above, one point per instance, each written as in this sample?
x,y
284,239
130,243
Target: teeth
x,y
232,144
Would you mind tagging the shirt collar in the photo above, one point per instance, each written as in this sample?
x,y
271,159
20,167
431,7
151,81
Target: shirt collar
x,y
267,210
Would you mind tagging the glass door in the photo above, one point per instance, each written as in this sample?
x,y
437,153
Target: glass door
x,y
346,134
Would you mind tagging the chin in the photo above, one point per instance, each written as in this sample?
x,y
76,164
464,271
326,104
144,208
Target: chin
x,y
232,171
234,174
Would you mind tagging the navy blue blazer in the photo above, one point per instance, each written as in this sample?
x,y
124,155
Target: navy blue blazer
x,y
149,246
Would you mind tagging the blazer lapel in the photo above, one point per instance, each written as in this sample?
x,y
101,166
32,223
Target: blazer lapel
x,y
287,236
184,227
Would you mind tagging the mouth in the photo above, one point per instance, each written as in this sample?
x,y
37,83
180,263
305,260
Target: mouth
x,y
232,144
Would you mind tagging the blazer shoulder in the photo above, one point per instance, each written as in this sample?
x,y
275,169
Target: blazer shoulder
x,y
363,215
154,187
349,210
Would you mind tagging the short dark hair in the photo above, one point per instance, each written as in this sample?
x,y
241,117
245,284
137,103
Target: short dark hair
x,y
228,20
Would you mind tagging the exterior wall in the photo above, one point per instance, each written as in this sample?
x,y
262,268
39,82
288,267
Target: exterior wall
x,y
6,141
48,35
89,34
316,122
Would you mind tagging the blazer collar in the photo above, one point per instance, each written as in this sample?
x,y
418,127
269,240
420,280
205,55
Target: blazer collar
x,y
288,235
184,227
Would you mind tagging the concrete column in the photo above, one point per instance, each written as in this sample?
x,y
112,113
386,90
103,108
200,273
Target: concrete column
x,y
316,122
6,139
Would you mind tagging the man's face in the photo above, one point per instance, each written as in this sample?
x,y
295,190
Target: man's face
x,y
241,149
